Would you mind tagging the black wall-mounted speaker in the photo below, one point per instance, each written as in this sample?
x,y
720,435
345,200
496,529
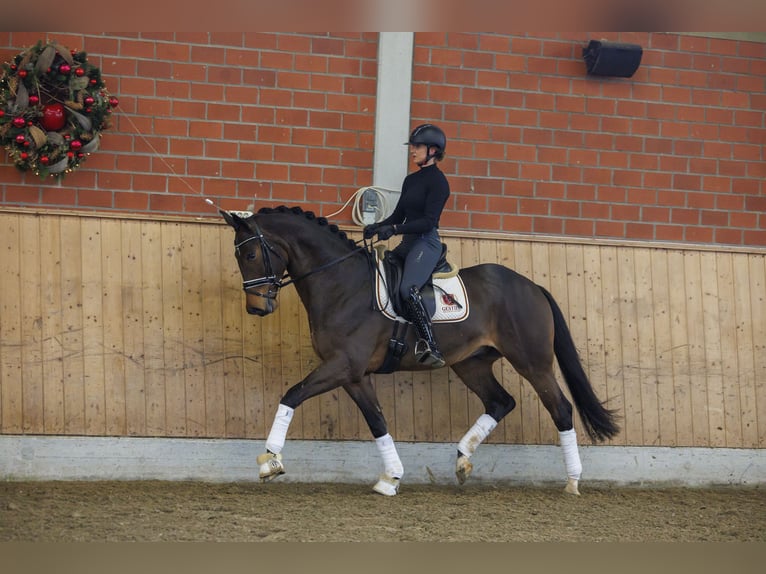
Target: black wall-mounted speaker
x,y
612,59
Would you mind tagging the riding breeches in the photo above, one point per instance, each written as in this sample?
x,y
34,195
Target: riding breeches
x,y
420,253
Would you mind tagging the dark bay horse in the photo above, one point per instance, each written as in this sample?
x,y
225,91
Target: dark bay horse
x,y
510,316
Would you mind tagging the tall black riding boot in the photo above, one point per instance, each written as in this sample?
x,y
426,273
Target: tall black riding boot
x,y
426,351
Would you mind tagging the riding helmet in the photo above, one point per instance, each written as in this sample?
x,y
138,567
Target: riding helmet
x,y
429,135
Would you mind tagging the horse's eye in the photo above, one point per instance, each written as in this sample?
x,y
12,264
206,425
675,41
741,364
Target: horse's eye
x,y
251,256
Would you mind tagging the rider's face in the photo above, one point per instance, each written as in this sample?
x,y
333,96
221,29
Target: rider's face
x,y
418,153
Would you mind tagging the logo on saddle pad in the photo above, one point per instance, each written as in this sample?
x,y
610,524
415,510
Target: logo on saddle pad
x,y
450,298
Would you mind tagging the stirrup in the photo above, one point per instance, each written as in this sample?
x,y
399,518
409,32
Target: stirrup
x,y
427,355
269,466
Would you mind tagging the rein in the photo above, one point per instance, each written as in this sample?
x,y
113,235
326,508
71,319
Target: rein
x,y
270,278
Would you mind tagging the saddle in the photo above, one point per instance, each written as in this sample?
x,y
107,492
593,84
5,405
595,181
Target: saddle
x,y
388,268
393,268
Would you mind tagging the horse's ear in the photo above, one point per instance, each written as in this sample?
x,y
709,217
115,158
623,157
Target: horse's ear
x,y
232,219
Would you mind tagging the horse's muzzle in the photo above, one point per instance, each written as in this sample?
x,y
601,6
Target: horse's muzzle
x,y
260,306
256,311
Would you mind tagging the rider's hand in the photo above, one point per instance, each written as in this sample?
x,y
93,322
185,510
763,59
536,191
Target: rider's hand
x,y
369,230
385,232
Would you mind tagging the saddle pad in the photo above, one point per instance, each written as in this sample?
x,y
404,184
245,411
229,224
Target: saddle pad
x,y
447,292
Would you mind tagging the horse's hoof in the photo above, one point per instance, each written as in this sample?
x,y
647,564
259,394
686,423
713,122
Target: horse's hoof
x,y
571,487
386,485
463,469
269,466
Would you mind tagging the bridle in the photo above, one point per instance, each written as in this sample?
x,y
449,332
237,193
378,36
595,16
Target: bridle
x,y
270,278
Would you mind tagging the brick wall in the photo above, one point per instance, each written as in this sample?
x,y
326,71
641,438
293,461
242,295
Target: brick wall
x,y
674,153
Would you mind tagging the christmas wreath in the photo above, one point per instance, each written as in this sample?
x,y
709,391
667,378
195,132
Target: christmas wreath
x,y
53,107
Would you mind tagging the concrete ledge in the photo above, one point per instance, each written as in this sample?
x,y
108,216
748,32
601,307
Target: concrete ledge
x,y
233,460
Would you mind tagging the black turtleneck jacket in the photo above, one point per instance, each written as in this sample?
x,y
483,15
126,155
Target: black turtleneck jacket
x,y
424,193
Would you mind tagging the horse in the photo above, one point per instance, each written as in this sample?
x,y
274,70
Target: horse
x,y
510,316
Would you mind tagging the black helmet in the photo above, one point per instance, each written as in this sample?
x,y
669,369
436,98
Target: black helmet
x,y
429,135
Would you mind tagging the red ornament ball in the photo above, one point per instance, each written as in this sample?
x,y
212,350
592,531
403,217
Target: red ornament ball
x,y
19,122
114,102
22,73
44,160
88,101
34,100
75,144
24,155
54,117
65,68
79,72
20,139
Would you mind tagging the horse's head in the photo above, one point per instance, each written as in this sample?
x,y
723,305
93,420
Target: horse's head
x,y
260,264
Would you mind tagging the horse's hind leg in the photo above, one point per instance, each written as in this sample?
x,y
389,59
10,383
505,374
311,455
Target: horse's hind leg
x,y
476,373
560,409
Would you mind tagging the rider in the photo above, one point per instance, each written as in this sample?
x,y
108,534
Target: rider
x,y
416,217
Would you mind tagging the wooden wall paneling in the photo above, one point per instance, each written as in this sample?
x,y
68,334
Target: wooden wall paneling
x,y
31,327
712,326
647,314
592,347
51,325
93,331
757,270
663,348
173,330
122,327
528,403
213,339
680,348
626,273
192,339
744,349
112,305
732,410
613,344
11,363
133,328
697,362
72,339
235,349
569,274
507,375
153,331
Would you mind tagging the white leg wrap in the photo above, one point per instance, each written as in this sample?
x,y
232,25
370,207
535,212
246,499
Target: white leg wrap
x,y
391,461
279,427
571,453
480,430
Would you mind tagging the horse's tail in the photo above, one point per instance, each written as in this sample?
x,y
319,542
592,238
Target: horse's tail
x,y
599,422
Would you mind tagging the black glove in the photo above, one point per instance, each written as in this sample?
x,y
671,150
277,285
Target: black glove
x,y
385,232
369,230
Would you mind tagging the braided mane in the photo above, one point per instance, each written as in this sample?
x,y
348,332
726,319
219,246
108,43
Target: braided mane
x,y
321,221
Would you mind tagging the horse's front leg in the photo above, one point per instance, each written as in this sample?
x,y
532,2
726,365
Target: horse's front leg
x,y
363,394
326,377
